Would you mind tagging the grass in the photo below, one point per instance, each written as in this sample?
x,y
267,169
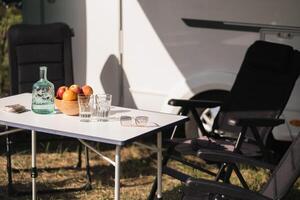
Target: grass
x,y
137,175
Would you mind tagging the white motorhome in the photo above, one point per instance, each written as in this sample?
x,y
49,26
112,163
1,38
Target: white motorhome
x,y
145,52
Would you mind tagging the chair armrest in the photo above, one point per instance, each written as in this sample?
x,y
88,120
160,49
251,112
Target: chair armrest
x,y
257,122
230,157
194,103
198,186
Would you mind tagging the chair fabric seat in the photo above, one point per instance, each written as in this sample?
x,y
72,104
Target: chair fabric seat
x,y
191,146
31,46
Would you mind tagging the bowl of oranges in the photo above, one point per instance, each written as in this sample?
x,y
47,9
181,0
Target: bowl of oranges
x,y
66,98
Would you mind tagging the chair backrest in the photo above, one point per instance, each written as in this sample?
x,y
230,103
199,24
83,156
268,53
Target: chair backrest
x,y
31,46
285,174
263,85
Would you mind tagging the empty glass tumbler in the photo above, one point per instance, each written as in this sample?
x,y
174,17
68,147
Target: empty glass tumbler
x,y
43,94
85,104
102,104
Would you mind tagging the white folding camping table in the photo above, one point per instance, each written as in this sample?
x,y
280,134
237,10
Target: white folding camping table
x,y
110,132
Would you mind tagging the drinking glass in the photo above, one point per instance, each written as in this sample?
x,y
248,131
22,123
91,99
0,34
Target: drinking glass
x,y
85,107
102,104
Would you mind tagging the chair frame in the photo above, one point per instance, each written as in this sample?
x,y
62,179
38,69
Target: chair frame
x,y
217,188
225,169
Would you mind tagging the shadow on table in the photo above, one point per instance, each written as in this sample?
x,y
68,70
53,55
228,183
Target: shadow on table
x,y
113,112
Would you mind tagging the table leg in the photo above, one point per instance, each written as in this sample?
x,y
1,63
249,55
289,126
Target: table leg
x,y
33,164
117,172
159,166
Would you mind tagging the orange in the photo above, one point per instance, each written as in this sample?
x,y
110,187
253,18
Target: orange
x,y
70,95
75,88
87,90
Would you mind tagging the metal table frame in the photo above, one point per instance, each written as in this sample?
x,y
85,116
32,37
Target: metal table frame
x,y
116,163
84,132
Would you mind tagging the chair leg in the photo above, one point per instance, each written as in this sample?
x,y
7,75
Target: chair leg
x,y
221,173
88,171
228,174
79,162
240,176
8,166
153,190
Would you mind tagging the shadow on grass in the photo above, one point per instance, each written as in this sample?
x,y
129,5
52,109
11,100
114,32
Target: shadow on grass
x,y
133,168
47,169
174,194
103,174
45,191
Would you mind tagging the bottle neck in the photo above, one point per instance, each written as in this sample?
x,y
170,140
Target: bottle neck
x,y
43,72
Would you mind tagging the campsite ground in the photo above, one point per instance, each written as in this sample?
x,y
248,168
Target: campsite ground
x,y
137,175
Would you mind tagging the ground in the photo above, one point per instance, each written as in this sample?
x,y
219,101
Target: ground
x,y
137,174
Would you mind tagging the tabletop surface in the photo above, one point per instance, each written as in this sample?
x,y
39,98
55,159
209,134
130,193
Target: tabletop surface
x,y
110,132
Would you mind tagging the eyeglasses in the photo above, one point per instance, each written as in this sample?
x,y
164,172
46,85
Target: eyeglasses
x,y
140,121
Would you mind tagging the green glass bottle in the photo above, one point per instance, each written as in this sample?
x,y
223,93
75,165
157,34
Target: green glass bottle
x,y
43,94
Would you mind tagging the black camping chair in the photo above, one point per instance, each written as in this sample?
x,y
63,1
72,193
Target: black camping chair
x,y
247,115
282,179
31,46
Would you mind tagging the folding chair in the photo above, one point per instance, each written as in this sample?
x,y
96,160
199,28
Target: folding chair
x,y
249,112
282,179
31,46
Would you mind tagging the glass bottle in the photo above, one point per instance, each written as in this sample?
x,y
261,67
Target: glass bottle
x,y
43,94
